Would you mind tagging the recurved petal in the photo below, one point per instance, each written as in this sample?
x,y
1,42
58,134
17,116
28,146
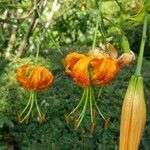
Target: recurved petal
x,y
46,79
35,78
104,71
112,51
95,64
23,74
71,60
40,78
81,73
126,58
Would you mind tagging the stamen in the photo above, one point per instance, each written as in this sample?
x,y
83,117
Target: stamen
x,y
32,114
107,121
43,117
80,103
91,105
93,127
75,125
84,108
67,118
27,120
94,114
75,113
97,106
19,118
31,106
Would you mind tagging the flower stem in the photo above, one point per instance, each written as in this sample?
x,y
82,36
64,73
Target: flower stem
x,y
96,29
140,58
120,6
102,26
39,45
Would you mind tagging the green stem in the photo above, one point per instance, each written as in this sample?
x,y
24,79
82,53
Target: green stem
x,y
120,6
39,44
140,58
31,106
91,105
56,45
102,26
79,104
84,108
96,29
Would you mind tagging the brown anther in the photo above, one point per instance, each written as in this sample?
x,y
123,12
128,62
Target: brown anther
x,y
83,131
106,124
94,114
28,120
75,113
67,118
19,118
93,127
32,114
43,117
75,125
40,119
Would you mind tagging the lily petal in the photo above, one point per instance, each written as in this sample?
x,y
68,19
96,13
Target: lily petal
x,y
126,58
112,51
81,73
106,71
71,60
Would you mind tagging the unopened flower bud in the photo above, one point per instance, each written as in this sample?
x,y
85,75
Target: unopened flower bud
x,y
126,58
133,115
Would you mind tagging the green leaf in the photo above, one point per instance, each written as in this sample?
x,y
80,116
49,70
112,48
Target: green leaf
x,y
138,18
1,35
5,120
7,5
2,147
10,21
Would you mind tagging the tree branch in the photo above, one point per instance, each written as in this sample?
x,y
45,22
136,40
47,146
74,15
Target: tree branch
x,y
27,35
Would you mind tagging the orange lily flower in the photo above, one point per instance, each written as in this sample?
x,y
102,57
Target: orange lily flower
x,y
97,67
103,67
33,78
